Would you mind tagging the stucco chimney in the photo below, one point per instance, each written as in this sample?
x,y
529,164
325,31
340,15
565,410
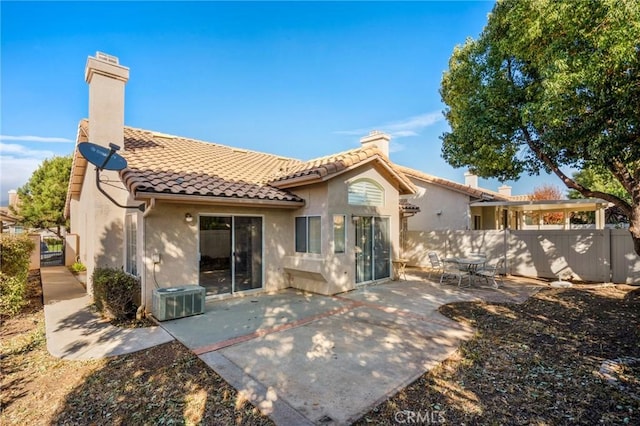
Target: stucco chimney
x,y
505,190
378,139
470,179
106,79
13,197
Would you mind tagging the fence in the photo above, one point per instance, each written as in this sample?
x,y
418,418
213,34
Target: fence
x,y
599,255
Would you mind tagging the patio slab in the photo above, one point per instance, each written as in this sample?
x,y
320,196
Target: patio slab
x,y
311,359
226,320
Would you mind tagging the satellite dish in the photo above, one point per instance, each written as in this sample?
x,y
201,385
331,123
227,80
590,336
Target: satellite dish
x,y
105,159
102,157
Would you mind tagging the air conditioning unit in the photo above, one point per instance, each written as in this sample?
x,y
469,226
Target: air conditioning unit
x,y
178,302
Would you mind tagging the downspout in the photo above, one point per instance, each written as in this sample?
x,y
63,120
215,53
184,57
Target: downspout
x,y
143,285
151,206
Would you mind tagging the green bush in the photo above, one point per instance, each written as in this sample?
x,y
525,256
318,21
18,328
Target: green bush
x,y
15,252
115,292
12,295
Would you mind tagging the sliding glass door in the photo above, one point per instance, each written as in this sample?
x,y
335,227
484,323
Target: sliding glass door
x,y
230,253
373,249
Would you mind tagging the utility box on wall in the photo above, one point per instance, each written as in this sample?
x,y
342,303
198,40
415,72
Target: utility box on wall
x,y
178,302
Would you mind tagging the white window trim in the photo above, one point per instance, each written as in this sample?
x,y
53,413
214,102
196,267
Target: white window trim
x,y
307,231
361,196
344,233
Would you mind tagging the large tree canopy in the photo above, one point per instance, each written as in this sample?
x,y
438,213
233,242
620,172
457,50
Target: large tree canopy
x,y
550,84
42,198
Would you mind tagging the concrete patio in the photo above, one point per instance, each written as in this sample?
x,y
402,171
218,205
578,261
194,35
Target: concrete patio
x,y
310,359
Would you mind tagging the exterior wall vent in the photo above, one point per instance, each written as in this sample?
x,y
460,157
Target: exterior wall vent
x,y
178,302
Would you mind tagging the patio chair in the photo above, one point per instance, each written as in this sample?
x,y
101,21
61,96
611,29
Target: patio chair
x,y
490,271
436,264
453,269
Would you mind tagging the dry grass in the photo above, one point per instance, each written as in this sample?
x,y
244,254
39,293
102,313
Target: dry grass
x,y
535,363
163,385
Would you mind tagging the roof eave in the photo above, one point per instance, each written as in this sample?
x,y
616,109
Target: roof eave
x,y
218,201
78,171
405,186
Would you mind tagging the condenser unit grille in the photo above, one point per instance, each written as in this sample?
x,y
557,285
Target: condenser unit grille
x,y
178,302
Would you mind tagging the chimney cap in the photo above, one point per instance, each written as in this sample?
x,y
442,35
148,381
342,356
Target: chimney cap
x,y
375,135
104,57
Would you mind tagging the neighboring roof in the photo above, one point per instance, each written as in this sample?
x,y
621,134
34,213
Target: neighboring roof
x,y
580,204
7,216
479,193
165,165
323,168
407,207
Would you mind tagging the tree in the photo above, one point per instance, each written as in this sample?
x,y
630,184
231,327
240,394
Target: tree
x,y
548,192
41,200
600,179
550,84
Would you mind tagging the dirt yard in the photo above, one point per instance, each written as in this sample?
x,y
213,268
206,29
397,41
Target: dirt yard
x,y
566,356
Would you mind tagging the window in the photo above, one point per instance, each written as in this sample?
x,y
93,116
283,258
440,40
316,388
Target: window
x,y
308,234
339,233
131,237
477,222
365,192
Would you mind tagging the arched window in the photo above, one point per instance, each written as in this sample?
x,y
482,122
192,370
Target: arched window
x,y
366,192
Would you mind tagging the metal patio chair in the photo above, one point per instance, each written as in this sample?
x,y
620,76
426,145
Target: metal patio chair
x,y
436,264
453,269
490,271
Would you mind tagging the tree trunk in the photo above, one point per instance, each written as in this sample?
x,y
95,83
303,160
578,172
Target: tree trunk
x,y
634,227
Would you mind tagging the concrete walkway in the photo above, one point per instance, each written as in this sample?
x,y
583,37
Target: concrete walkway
x,y
75,332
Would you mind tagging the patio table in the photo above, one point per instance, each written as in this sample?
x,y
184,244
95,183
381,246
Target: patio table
x,y
399,267
470,263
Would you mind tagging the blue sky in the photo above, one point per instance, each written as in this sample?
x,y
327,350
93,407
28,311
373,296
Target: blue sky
x,y
297,79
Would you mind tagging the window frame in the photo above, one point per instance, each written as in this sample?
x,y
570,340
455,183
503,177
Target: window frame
x,y
307,244
342,235
358,191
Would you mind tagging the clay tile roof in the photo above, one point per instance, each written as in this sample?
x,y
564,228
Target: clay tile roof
x,y
160,163
466,189
325,167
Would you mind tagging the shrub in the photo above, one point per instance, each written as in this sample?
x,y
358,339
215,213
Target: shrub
x,y
15,252
77,267
114,293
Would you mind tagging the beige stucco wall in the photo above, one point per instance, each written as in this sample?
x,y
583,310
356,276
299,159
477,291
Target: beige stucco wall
x,y
99,225
70,249
433,199
166,232
34,259
329,272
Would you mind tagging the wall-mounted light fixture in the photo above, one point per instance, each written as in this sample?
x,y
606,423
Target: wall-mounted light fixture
x,y
188,218
438,212
355,219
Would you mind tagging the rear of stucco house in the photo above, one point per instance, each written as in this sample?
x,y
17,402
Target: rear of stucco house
x,y
231,220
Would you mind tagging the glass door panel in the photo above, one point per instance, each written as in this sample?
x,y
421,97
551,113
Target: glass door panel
x,y
373,249
215,254
230,253
247,253
381,248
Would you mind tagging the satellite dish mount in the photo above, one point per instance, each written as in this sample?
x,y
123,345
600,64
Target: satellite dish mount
x,y
105,159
